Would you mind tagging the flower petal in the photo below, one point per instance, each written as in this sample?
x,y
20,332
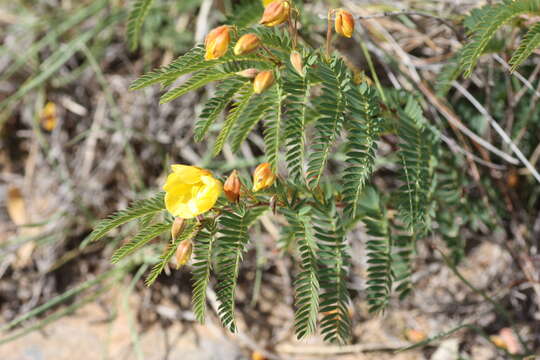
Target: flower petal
x,y
189,174
209,193
176,203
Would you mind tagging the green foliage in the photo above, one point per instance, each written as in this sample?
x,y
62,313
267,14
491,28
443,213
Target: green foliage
x,y
198,80
246,13
245,95
276,39
414,153
202,265
215,106
136,210
193,61
333,267
530,42
296,89
142,238
364,127
231,244
258,108
334,78
272,131
135,21
483,24
379,253
307,282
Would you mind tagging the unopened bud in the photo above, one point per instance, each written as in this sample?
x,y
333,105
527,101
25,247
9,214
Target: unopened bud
x,y
232,187
263,81
183,253
296,62
344,23
263,177
246,44
216,42
275,13
248,73
177,227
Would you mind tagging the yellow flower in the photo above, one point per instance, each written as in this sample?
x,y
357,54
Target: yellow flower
x,y
266,2
344,23
263,177
277,12
216,42
190,191
246,44
263,81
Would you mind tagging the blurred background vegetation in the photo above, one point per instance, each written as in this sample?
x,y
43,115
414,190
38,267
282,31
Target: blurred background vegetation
x,y
76,145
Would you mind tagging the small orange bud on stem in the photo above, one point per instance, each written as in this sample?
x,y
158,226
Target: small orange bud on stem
x,y
177,227
263,177
216,42
263,81
232,187
344,23
183,253
246,44
275,13
296,62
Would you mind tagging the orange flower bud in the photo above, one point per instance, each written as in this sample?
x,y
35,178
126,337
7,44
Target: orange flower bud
x,y
275,13
177,227
263,81
232,186
248,73
183,253
296,61
344,23
263,177
246,44
216,42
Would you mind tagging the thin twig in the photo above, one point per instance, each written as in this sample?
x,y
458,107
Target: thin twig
x,y
329,32
454,120
453,145
338,350
517,75
498,129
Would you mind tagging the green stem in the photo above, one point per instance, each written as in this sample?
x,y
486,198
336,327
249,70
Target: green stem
x,y
372,70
